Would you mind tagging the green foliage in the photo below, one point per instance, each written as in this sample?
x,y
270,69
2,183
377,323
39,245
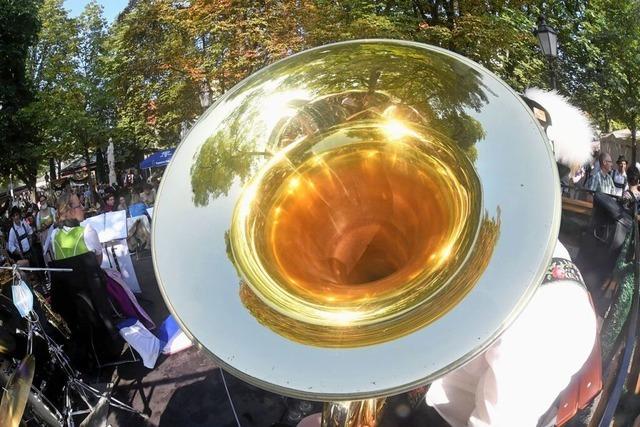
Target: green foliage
x,y
73,107
19,142
601,62
162,57
141,81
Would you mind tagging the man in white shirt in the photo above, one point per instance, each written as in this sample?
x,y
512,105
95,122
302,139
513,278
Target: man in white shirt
x,y
20,234
619,176
518,378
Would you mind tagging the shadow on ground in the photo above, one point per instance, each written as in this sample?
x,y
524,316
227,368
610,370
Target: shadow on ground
x,y
186,389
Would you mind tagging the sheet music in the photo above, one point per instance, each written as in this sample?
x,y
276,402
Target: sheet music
x,y
109,226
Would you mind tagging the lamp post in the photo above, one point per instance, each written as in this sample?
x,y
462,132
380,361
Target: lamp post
x,y
548,40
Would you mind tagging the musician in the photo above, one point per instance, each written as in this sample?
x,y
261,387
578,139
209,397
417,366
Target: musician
x,y
20,235
109,203
518,378
619,176
70,238
5,257
148,195
45,218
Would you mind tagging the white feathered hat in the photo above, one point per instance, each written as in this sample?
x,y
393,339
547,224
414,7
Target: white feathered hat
x,y
570,131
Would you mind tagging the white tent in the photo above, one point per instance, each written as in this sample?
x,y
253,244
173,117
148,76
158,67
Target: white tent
x,y
617,143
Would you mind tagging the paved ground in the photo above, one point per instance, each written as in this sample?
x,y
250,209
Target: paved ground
x,y
186,389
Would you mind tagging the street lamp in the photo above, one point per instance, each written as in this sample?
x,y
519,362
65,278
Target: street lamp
x,y
548,40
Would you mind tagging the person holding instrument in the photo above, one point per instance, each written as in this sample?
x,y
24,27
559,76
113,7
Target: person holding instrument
x,y
20,236
71,239
517,379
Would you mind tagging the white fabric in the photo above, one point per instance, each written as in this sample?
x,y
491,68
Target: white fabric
x,y
90,239
619,178
12,244
144,342
177,343
518,378
172,336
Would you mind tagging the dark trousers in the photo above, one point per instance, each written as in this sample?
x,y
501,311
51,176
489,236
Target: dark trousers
x,y
31,255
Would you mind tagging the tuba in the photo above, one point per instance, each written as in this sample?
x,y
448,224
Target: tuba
x,y
356,220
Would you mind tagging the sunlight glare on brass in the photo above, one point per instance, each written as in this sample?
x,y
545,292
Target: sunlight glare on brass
x,y
343,234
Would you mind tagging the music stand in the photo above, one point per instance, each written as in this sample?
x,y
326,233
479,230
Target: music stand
x,y
112,232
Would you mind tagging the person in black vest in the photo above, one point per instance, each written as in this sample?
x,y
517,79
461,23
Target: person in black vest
x,y
20,237
619,176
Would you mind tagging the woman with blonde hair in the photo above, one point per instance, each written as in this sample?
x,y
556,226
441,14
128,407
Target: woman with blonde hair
x,y
70,238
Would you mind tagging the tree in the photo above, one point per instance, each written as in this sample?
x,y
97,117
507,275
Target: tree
x,y
19,143
155,90
601,63
620,68
165,58
52,66
73,107
98,114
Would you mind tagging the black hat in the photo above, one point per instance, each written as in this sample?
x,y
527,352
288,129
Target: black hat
x,y
621,159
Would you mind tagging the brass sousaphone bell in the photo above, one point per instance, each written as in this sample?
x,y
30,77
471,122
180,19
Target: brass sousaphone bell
x,y
356,220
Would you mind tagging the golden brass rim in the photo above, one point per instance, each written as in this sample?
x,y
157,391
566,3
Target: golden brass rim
x,y
235,138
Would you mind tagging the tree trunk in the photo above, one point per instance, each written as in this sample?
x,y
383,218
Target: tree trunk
x,y
52,169
100,167
633,143
90,180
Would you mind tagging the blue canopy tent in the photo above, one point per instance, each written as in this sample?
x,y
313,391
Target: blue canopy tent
x,y
157,159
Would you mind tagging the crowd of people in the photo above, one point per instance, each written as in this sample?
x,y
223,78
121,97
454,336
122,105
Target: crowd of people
x,y
27,227
602,176
53,230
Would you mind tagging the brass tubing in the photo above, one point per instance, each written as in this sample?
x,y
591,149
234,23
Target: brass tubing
x,y
356,413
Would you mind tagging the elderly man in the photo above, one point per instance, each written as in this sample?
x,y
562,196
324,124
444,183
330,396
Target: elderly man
x,y
601,181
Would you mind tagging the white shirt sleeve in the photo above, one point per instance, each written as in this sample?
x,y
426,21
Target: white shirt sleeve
x,y
47,249
534,360
91,240
12,244
520,375
536,357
